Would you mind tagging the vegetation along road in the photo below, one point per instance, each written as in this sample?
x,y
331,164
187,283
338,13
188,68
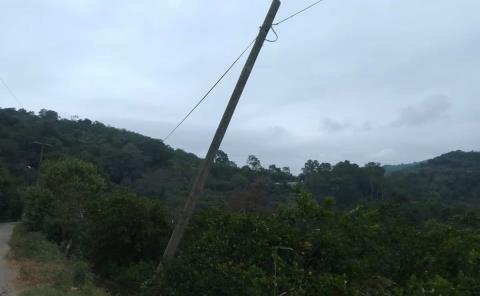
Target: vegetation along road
x,y
7,276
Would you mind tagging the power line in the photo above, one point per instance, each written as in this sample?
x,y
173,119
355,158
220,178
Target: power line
x,y
233,64
297,13
210,90
11,93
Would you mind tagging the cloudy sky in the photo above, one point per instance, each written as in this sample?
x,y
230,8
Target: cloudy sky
x,y
374,80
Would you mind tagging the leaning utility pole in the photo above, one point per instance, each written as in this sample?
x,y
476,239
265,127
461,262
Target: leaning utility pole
x,y
197,189
42,149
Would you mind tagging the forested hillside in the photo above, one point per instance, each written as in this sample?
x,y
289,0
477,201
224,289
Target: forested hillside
x,y
153,169
145,165
453,178
109,197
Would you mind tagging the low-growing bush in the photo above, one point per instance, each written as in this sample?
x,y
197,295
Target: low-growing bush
x,y
44,269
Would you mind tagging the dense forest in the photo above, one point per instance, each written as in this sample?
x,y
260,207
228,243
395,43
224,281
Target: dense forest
x,y
145,165
110,197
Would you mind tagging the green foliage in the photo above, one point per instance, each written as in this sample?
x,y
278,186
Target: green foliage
x,y
38,210
312,249
28,245
221,159
128,279
37,258
254,163
10,206
127,237
120,233
144,165
347,182
452,178
411,232
72,179
124,156
59,206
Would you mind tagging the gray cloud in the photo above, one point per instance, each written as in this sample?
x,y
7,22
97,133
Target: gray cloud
x,y
430,110
366,126
333,126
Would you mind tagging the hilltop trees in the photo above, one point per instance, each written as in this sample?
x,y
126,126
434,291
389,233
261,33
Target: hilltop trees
x,y
124,156
145,165
347,182
221,159
254,163
452,178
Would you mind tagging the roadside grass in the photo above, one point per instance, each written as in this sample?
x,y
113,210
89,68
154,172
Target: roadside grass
x,y
43,270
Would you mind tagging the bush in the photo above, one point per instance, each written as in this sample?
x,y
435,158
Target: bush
x,y
38,211
312,249
127,236
27,245
42,264
59,206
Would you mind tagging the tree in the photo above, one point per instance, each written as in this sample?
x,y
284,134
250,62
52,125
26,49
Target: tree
x,y
67,187
273,169
375,173
126,230
311,167
239,180
325,167
48,115
252,198
221,158
254,163
39,210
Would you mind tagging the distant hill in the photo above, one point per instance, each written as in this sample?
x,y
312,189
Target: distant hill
x,y
153,169
391,168
144,164
455,160
451,160
452,177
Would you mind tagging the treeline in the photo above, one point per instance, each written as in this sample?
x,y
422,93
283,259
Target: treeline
x,y
395,247
150,168
145,165
452,179
347,182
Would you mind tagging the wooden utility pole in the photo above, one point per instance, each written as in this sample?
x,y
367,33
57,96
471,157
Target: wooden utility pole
x,y
42,150
197,189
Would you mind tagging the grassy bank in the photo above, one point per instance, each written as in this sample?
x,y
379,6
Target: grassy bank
x,y
43,269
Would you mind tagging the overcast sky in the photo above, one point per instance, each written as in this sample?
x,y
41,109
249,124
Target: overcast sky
x,y
374,80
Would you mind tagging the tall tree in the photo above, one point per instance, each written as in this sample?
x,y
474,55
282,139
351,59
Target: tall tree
x,y
254,163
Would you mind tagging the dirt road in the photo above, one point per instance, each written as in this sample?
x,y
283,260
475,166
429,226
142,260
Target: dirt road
x,y
7,275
